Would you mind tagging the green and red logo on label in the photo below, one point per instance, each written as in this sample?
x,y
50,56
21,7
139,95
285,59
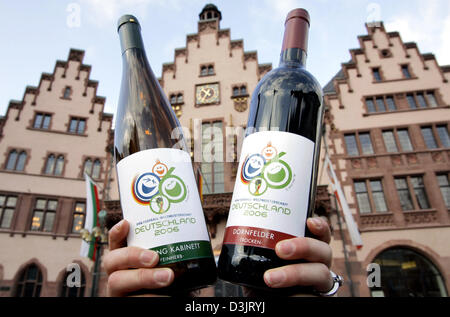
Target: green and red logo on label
x,y
158,188
265,170
159,199
270,201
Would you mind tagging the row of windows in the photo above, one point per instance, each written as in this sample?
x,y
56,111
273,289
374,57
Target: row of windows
x,y
43,120
239,90
377,76
416,100
410,190
30,283
43,214
54,164
397,140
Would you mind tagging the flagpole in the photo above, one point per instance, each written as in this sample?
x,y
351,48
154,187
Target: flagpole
x,y
346,260
96,271
93,234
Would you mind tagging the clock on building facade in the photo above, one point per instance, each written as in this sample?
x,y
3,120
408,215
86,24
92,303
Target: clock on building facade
x,y
207,94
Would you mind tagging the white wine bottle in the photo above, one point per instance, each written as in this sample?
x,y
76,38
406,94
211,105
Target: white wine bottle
x,y
158,192
275,185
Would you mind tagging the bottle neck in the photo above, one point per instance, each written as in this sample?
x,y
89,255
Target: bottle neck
x,y
295,39
293,57
130,37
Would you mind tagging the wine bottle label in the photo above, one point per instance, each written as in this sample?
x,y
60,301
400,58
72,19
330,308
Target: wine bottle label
x,y
270,198
159,198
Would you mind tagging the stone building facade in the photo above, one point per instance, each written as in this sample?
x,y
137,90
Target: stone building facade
x,y
386,133
48,139
387,124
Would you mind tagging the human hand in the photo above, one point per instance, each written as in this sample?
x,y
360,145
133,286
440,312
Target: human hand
x,y
315,272
131,269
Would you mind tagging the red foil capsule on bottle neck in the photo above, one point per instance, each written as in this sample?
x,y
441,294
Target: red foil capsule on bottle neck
x,y
296,30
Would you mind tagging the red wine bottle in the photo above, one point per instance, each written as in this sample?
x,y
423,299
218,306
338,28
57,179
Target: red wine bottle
x,y
157,188
275,184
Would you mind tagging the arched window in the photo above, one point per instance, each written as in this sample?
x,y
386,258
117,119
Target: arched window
x,y
53,165
407,273
73,291
173,99
21,161
16,162
243,90
236,91
204,71
93,169
180,98
12,159
210,70
96,169
50,164
30,282
59,165
87,166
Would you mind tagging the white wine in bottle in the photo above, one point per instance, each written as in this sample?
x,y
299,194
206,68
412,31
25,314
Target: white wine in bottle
x,y
158,192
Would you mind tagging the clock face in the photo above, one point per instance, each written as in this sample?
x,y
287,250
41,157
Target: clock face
x,y
207,94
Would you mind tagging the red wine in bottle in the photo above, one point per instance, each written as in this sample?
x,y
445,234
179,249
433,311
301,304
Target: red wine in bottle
x,y
157,188
275,185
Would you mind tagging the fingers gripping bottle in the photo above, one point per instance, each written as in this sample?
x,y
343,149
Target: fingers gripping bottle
x,y
275,184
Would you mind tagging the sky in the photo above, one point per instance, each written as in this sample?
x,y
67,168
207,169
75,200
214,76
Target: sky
x,y
36,33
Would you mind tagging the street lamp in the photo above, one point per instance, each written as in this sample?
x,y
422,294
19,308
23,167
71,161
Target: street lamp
x,y
100,236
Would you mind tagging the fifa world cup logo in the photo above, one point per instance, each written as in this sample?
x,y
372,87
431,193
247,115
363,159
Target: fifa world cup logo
x,y
159,188
264,170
